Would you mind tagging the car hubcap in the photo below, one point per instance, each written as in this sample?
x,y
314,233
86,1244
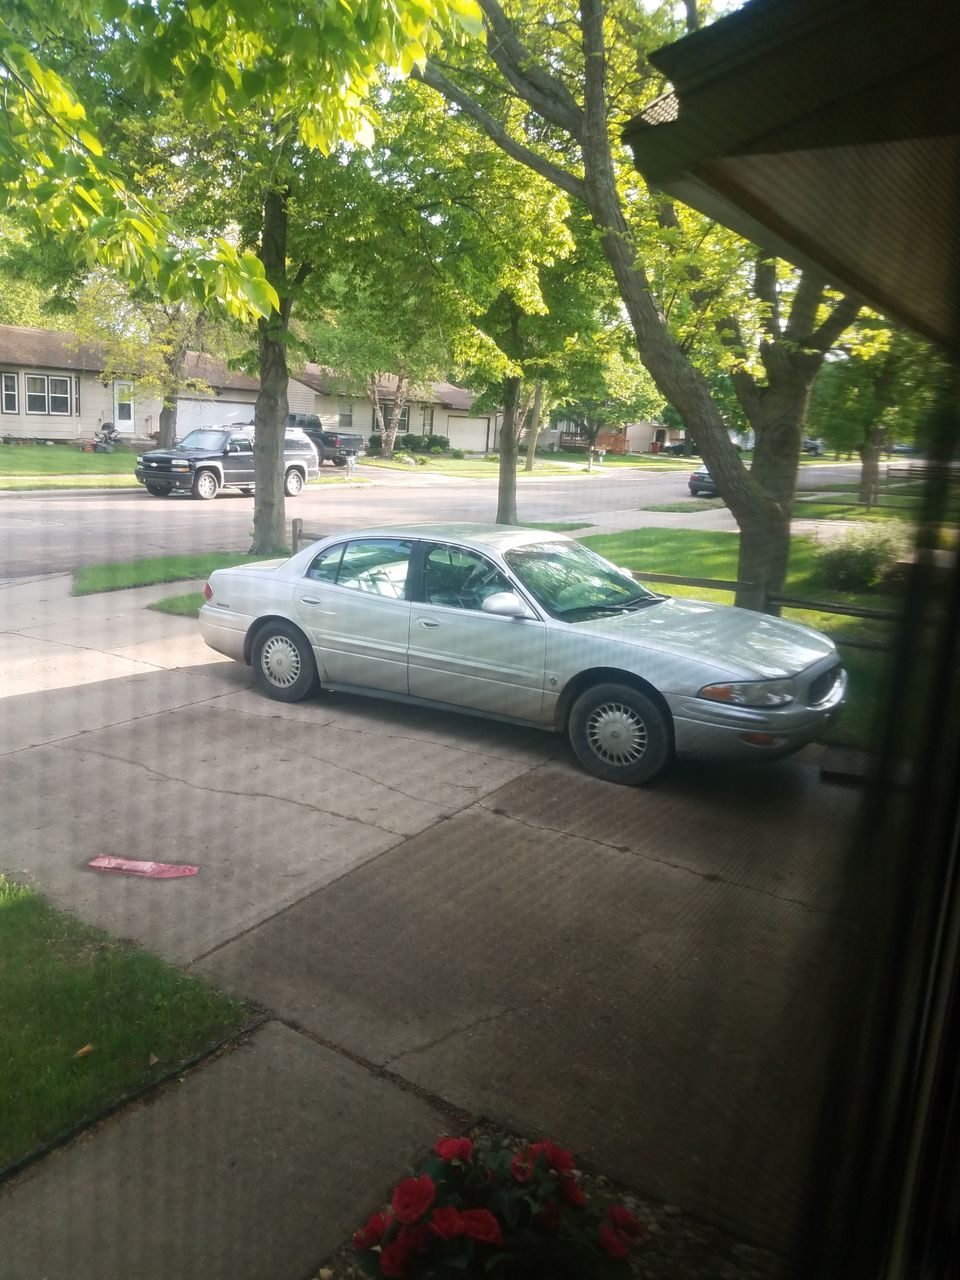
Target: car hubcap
x,y
281,663
293,484
207,486
617,735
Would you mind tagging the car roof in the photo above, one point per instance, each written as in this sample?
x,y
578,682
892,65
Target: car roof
x,y
496,537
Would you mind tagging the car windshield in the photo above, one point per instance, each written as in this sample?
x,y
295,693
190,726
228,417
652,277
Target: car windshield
x,y
205,438
573,583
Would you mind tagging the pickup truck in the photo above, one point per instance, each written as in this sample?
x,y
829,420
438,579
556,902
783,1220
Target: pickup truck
x,y
333,446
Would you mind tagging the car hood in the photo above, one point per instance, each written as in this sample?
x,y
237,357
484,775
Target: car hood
x,y
740,640
167,455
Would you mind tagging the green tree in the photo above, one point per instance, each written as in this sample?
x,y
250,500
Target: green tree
x,y
554,92
609,388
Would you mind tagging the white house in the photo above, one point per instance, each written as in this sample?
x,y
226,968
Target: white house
x,y
52,388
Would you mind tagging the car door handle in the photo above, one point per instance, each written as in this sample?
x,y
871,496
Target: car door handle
x,y
310,600
427,622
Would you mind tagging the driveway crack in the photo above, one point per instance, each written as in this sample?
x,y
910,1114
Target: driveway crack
x,y
226,791
709,876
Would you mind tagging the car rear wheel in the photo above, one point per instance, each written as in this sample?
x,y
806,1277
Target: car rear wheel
x,y
205,485
620,734
293,483
339,462
283,662
160,490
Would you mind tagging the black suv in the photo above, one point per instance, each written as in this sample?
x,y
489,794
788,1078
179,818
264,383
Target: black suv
x,y
212,458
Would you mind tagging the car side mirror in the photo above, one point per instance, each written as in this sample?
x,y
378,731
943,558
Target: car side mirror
x,y
505,604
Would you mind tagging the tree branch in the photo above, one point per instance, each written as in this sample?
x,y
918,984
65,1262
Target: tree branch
x,y
842,315
803,311
765,287
432,75
548,96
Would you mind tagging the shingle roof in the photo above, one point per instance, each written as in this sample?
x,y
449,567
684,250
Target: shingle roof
x,y
47,349
327,383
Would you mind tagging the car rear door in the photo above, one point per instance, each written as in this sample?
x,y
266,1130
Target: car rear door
x,y
353,603
238,463
467,658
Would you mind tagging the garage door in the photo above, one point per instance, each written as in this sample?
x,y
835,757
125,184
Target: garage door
x,y
468,433
211,413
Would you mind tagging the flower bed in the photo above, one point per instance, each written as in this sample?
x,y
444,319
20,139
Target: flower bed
x,y
494,1205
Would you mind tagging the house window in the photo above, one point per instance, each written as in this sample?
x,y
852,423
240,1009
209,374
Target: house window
x,y
59,394
346,415
36,393
11,393
428,419
123,404
45,393
403,425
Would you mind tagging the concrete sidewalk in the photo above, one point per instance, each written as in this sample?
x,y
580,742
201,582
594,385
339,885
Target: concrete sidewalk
x,y
444,917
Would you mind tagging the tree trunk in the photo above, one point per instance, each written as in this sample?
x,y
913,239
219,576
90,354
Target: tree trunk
x,y
270,412
535,422
870,469
777,413
507,488
390,428
168,423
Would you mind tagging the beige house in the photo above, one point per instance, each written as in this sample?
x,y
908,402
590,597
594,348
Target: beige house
x,y
52,388
442,410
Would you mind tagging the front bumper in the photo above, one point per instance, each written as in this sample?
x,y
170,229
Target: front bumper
x,y
705,729
175,479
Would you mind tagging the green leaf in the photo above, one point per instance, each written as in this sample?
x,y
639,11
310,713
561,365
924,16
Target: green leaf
x,y
90,142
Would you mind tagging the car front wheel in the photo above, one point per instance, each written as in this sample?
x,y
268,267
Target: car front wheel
x,y
293,484
283,662
620,734
205,485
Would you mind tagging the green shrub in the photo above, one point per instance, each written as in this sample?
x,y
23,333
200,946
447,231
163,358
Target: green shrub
x,y
860,560
491,457
439,444
375,443
457,453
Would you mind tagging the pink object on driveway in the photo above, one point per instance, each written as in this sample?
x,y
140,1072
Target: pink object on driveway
x,y
155,870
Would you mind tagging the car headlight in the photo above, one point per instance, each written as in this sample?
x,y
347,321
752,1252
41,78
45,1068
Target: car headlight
x,y
751,693
139,460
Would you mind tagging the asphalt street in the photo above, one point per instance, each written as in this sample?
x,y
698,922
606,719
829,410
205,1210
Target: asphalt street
x,y
56,532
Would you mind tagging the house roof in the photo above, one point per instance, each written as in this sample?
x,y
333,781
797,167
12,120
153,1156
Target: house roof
x,y
323,380
47,349
59,349
827,131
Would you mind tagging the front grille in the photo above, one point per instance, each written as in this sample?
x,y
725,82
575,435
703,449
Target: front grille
x,y
823,685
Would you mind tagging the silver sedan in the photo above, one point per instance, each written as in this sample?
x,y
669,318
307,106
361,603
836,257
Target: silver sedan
x,y
531,627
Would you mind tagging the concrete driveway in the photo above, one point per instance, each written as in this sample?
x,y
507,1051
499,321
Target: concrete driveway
x,y
445,905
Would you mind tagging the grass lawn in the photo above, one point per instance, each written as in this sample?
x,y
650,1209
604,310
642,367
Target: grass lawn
x,y
145,573
186,605
87,1019
63,460
691,504
69,482
824,508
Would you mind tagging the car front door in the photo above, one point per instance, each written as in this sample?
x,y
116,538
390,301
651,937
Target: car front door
x,y
353,602
462,656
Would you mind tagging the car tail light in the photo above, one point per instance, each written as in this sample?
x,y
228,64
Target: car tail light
x,y
208,592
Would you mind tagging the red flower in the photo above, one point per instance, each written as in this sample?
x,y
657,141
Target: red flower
x,y
521,1166
613,1241
413,1197
572,1191
446,1223
415,1239
376,1228
480,1224
394,1258
549,1216
455,1149
624,1222
557,1158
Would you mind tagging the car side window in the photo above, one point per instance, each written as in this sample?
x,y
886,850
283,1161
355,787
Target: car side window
x,y
379,566
240,444
325,564
460,579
